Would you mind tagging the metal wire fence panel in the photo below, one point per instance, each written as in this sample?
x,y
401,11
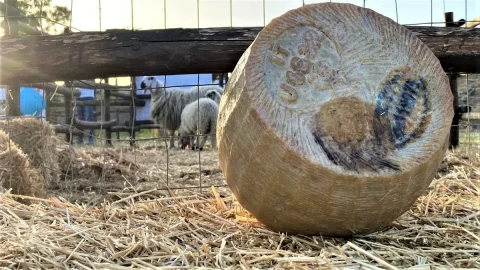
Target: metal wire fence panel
x,y
134,152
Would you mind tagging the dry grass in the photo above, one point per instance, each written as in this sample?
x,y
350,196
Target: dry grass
x,y
37,139
174,230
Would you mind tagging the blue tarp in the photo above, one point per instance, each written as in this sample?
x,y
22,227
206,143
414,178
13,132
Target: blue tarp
x,y
31,101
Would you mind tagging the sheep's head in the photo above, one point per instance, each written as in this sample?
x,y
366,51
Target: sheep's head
x,y
150,83
213,95
183,141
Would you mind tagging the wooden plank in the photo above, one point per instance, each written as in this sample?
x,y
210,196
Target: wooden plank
x,y
132,111
66,129
69,114
140,122
471,116
106,114
54,88
138,103
115,91
85,55
454,129
457,48
473,23
119,129
80,124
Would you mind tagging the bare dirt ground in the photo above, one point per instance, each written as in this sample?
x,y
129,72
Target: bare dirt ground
x,y
106,173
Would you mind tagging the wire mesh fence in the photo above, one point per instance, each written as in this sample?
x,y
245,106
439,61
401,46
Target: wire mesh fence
x,y
135,153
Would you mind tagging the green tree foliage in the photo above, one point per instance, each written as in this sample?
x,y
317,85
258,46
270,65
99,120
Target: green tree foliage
x,y
53,16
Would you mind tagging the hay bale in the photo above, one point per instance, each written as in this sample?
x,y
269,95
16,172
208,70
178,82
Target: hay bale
x,y
333,122
15,170
38,140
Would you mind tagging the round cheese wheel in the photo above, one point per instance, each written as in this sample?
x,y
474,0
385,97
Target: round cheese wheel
x,y
333,122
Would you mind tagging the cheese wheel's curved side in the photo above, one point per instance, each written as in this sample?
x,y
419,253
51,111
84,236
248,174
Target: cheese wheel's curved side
x,y
267,142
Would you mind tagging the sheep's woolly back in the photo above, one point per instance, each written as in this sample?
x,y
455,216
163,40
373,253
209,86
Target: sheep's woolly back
x,y
208,110
167,104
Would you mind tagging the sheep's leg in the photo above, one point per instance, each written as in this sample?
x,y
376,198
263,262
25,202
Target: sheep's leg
x,y
213,138
171,134
192,142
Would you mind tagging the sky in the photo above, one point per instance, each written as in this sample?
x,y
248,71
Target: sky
x,y
94,15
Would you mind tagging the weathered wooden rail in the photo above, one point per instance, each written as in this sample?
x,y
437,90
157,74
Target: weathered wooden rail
x,y
86,55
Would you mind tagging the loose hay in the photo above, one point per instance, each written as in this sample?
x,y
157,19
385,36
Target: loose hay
x,y
15,170
37,139
190,230
95,164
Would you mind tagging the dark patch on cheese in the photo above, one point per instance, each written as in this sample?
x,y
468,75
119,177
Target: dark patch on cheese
x,y
353,137
408,94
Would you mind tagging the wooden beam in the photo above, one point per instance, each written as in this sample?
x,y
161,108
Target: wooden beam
x,y
449,22
80,124
140,122
123,92
457,48
66,129
473,23
106,114
69,113
454,129
138,103
54,88
133,95
85,55
124,129
471,116
452,77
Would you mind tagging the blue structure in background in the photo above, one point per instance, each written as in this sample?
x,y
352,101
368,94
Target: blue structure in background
x,y
31,101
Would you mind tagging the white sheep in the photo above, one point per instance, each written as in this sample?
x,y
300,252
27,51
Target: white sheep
x,y
167,104
201,116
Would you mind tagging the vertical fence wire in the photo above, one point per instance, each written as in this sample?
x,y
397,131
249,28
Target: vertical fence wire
x,y
70,129
165,89
133,95
198,113
7,88
396,10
